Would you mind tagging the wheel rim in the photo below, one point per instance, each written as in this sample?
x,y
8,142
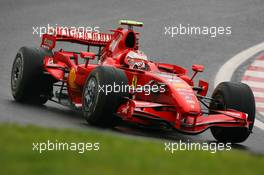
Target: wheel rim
x,y
90,95
17,72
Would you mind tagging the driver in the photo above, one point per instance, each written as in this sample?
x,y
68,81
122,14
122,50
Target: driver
x,y
136,59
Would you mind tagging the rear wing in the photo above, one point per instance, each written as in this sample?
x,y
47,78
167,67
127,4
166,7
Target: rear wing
x,y
80,37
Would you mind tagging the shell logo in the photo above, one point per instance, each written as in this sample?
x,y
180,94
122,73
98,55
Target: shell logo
x,y
72,77
134,81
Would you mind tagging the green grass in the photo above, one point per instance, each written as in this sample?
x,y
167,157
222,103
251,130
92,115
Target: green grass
x,y
117,155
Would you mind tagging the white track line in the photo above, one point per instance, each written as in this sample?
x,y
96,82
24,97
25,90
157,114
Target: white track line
x,y
258,63
254,83
252,73
260,105
227,70
258,94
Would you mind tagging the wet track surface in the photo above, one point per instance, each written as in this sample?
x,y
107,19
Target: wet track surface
x,y
18,17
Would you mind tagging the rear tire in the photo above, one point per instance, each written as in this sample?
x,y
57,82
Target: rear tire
x,y
28,82
98,107
236,96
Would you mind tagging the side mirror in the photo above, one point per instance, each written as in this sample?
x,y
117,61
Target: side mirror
x,y
197,68
87,55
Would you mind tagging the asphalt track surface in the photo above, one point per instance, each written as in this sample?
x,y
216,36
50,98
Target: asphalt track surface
x,y
244,16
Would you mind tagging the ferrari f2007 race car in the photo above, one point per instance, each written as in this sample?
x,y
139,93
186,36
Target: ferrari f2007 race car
x,y
124,85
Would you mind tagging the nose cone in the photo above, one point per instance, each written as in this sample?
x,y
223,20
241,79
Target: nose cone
x,y
186,100
184,95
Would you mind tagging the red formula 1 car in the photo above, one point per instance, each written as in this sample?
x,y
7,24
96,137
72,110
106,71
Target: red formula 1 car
x,y
124,84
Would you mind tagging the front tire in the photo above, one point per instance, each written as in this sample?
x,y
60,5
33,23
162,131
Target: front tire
x,y
98,107
28,82
236,96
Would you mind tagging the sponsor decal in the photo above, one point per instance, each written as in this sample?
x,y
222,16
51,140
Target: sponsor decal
x,y
185,91
180,85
